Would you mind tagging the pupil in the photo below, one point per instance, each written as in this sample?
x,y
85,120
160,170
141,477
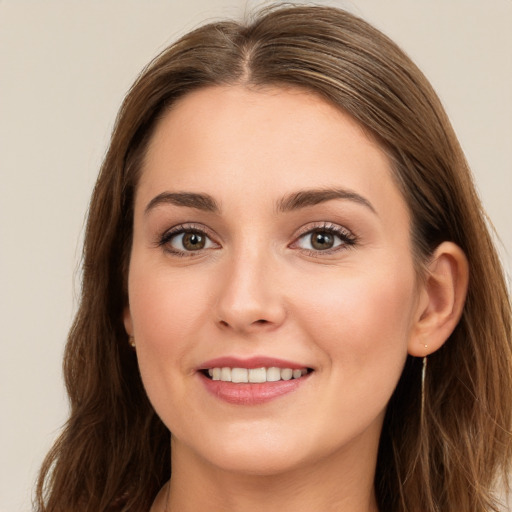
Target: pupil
x,y
193,241
322,240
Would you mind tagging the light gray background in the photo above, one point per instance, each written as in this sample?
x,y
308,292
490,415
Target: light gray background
x,y
64,69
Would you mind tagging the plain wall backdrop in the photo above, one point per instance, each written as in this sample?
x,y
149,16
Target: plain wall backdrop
x,y
64,69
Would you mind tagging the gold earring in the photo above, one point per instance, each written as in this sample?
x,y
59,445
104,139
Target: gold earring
x,y
131,341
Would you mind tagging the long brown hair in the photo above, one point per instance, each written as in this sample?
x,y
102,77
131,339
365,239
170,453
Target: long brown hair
x,y
114,453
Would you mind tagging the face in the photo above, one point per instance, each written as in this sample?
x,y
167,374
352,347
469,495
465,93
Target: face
x,y
268,233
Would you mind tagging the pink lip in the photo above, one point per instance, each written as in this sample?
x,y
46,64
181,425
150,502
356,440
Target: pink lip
x,y
246,393
252,362
250,394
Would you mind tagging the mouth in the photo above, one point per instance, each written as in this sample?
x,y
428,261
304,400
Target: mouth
x,y
261,375
252,381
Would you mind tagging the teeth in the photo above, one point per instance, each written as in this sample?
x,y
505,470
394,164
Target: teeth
x,y
286,373
273,374
225,374
255,375
238,375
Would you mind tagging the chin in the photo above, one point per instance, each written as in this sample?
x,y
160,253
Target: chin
x,y
263,455
258,462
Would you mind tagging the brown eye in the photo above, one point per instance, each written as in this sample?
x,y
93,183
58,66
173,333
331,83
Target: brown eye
x,y
193,241
187,241
321,240
329,238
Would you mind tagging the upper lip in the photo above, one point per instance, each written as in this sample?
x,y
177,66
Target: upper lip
x,y
251,362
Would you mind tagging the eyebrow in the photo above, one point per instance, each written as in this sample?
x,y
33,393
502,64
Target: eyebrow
x,y
202,202
291,202
305,198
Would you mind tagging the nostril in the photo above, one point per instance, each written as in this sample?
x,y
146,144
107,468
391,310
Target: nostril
x,y
256,322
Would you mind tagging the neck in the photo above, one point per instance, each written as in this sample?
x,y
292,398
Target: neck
x,y
341,481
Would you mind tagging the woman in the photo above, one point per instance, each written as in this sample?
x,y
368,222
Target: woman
x,y
283,232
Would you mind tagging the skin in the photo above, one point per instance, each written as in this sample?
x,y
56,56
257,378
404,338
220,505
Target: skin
x,y
258,287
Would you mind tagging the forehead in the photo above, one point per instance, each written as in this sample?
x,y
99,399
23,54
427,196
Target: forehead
x,y
232,141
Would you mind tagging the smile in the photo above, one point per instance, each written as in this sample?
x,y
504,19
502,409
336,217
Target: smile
x,y
255,375
252,381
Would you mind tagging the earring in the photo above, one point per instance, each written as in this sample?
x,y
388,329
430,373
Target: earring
x,y
131,341
423,375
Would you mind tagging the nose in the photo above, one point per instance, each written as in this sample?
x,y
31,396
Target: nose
x,y
250,299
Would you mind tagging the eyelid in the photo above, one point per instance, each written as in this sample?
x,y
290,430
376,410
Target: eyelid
x,y
323,225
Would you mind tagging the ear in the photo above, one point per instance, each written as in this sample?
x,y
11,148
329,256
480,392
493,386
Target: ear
x,y
442,297
127,320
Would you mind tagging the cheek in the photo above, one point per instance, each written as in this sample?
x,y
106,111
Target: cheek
x,y
362,321
166,313
163,306
362,326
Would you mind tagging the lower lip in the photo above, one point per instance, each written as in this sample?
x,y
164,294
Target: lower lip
x,y
251,394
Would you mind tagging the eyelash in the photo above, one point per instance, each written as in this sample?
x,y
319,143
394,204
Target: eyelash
x,y
347,238
167,237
